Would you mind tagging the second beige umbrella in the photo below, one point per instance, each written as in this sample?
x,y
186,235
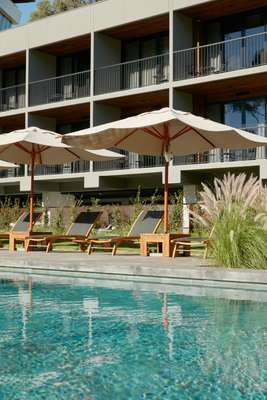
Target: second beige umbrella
x,y
164,132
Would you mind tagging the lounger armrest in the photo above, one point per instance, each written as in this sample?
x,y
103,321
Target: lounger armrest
x,y
190,239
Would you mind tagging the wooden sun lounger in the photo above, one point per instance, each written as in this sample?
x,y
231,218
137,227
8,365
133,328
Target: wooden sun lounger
x,y
78,232
192,244
146,222
21,229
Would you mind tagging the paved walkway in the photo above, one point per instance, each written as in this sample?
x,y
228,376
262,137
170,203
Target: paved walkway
x,y
189,268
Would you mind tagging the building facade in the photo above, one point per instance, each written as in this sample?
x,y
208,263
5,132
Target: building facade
x,y
117,58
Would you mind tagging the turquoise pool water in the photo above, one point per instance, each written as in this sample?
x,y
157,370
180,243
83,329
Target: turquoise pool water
x,y
59,341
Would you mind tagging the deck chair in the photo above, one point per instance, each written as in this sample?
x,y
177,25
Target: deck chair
x,y
146,222
78,231
21,225
192,244
21,228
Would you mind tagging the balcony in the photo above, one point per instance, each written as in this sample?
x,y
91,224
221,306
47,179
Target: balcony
x,y
13,172
226,155
131,162
12,98
61,88
75,167
132,74
84,166
230,55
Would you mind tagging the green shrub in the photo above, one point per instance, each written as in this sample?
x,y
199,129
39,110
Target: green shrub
x,y
9,213
176,215
239,241
57,222
232,209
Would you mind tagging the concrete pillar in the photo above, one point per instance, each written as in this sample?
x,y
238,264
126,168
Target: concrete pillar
x,y
41,66
182,31
190,197
182,39
104,113
52,200
213,112
182,101
107,53
42,122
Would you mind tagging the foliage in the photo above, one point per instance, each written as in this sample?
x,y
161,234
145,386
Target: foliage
x,y
57,222
46,217
138,204
74,209
232,210
117,221
154,200
176,216
45,8
95,203
9,213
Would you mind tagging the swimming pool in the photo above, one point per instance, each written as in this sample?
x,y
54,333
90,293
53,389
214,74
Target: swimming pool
x,y
79,341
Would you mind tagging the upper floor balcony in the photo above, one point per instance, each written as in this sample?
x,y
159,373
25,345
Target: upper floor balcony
x,y
227,155
60,88
132,74
12,98
230,55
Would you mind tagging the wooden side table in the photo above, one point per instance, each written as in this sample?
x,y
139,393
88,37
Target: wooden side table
x,y
159,238
15,237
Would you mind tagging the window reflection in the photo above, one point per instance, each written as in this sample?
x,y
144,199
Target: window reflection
x,y
250,114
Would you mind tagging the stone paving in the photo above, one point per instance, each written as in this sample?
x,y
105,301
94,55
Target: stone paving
x,y
189,268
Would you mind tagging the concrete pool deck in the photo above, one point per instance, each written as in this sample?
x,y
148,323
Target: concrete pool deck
x,y
129,266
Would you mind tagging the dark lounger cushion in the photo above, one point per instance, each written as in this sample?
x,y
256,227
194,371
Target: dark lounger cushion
x,y
23,224
83,223
147,222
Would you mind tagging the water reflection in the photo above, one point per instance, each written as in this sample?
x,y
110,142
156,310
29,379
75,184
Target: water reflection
x,y
73,342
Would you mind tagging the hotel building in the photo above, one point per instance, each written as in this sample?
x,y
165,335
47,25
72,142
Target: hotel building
x,y
117,58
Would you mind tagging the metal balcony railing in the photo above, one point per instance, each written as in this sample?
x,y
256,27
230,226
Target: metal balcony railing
x,y
60,88
226,155
12,97
13,172
230,55
131,162
71,168
132,74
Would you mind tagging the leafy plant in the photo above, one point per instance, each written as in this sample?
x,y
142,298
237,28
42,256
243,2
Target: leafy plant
x,y
9,213
58,221
232,208
138,204
74,209
154,200
176,216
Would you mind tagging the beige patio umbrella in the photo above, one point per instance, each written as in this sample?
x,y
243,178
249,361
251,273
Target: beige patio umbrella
x,y
165,132
34,146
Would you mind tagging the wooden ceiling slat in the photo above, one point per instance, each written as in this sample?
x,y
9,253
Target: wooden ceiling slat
x,y
220,8
69,46
231,89
140,28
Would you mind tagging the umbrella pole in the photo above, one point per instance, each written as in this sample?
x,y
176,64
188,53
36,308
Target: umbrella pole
x,y
32,191
166,197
